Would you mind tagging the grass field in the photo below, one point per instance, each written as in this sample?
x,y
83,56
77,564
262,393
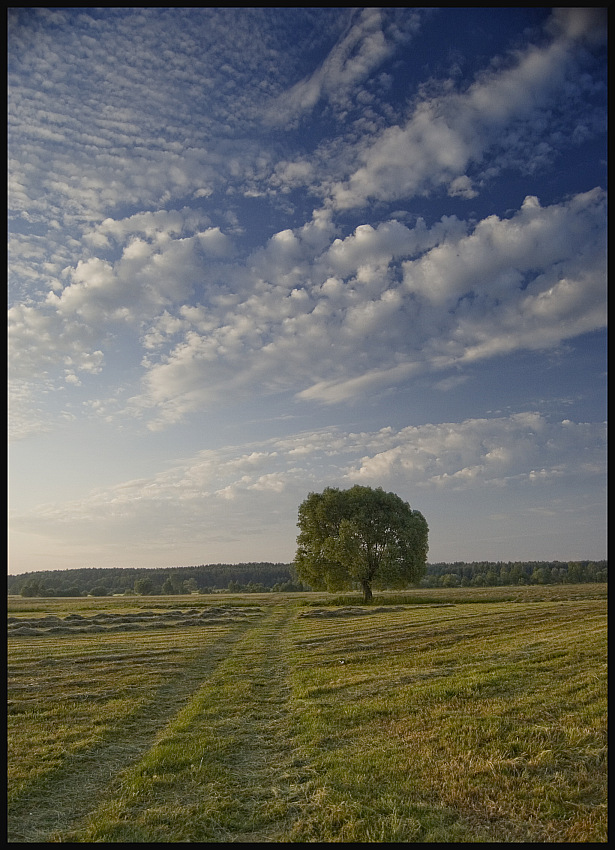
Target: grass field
x,y
461,715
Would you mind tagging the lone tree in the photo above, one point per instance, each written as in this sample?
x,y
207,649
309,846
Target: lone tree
x,y
359,535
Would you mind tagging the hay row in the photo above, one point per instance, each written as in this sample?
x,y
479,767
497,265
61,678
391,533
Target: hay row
x,y
78,624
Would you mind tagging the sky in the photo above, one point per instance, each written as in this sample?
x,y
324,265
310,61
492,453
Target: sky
x,y
257,252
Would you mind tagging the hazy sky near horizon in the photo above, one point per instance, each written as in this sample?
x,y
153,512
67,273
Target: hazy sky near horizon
x,y
256,252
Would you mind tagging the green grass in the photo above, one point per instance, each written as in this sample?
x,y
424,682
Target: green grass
x,y
466,718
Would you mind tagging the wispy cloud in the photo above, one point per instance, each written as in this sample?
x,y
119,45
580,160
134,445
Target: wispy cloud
x,y
371,37
334,324
301,209
521,450
449,133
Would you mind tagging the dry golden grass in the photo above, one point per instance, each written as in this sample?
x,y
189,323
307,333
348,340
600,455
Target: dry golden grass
x,y
441,717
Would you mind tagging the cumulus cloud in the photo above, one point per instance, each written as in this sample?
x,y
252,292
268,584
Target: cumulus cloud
x,y
148,277
499,255
326,313
195,496
200,209
450,133
363,47
527,282
332,318
458,455
40,341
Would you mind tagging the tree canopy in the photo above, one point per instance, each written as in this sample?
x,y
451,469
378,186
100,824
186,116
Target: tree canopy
x,y
361,535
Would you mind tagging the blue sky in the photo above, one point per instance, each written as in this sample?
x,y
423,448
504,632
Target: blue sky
x,y
256,252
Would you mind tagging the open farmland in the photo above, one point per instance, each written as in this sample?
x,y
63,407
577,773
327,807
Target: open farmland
x,y
442,716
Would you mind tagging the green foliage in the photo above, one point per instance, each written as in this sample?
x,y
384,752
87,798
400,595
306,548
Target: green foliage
x,y
144,585
361,535
207,578
31,588
518,573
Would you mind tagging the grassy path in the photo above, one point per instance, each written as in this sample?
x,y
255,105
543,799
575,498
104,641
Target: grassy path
x,y
222,769
59,798
474,722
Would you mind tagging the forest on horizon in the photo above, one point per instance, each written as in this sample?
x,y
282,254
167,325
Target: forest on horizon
x,y
262,577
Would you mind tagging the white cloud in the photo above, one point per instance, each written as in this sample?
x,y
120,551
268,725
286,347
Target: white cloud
x,y
345,389
484,452
148,111
194,497
176,259
332,318
449,133
361,49
496,257
462,187
152,273
40,341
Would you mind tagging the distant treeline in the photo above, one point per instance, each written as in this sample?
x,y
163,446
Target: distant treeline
x,y
263,577
490,574
255,577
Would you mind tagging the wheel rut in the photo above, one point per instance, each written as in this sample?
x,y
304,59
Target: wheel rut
x,y
265,779
61,798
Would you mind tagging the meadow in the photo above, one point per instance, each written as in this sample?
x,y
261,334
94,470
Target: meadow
x,y
447,715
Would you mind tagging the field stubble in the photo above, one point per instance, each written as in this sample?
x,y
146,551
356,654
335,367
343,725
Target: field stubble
x,y
452,719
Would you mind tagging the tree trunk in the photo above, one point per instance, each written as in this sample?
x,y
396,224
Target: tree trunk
x,y
367,592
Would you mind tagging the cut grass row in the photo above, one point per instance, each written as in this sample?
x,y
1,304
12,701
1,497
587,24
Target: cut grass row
x,y
222,769
81,708
473,721
494,715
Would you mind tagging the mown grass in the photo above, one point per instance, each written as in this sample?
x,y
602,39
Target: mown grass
x,y
90,605
85,705
493,713
464,595
464,719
